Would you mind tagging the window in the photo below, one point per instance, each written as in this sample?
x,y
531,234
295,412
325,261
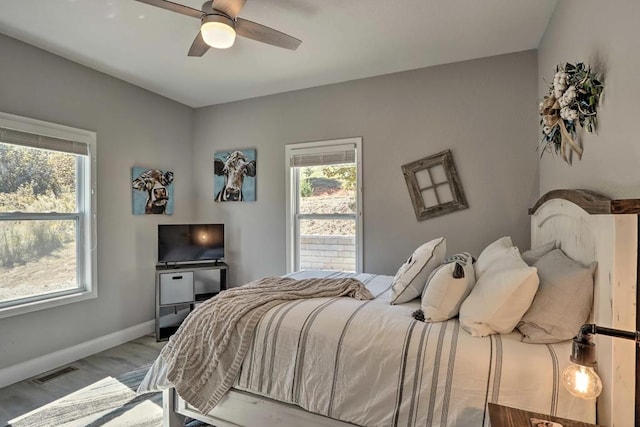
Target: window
x,y
47,231
324,205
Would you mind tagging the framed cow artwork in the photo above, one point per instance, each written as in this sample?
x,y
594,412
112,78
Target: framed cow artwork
x,y
235,176
152,191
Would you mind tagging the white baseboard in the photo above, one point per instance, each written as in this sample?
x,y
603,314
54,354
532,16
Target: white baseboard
x,y
33,367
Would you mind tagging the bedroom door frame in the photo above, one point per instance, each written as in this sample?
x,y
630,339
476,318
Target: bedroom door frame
x,y
291,185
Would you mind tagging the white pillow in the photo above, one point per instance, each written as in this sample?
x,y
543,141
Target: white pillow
x,y
445,289
500,297
411,277
491,253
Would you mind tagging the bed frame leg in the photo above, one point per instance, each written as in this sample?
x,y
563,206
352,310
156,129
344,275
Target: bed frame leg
x,y
170,418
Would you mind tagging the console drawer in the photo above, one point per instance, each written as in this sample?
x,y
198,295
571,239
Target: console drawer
x,y
176,287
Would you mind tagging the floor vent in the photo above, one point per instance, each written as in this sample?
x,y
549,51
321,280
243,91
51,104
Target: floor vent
x,y
54,374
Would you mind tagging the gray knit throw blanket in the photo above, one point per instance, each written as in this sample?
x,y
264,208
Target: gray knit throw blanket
x,y
204,357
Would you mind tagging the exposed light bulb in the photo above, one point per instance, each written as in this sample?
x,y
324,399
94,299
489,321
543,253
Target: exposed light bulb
x,y
217,31
582,381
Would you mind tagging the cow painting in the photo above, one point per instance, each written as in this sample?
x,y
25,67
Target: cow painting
x,y
235,176
153,191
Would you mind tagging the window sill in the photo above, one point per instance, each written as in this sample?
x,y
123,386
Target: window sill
x,y
31,306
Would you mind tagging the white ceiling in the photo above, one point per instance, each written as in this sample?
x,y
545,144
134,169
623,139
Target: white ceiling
x,y
341,40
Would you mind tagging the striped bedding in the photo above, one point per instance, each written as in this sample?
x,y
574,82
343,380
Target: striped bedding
x,y
371,364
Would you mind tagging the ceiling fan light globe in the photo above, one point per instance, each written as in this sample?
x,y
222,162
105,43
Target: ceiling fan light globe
x,y
217,32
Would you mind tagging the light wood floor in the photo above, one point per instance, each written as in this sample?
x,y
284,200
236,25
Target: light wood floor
x,y
25,396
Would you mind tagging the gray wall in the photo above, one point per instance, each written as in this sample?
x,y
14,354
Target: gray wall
x,y
134,127
607,37
484,110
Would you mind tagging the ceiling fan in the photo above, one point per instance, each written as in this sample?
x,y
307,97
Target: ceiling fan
x,y
220,24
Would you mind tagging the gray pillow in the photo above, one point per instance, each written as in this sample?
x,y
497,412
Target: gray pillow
x,y
563,301
533,255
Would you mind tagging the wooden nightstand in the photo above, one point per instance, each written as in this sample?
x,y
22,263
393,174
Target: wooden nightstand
x,y
504,416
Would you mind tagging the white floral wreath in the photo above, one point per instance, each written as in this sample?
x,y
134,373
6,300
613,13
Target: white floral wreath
x,y
573,99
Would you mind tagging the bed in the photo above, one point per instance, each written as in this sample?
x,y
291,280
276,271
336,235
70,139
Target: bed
x,y
341,361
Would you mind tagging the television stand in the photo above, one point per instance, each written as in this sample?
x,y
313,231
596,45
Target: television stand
x,y
181,287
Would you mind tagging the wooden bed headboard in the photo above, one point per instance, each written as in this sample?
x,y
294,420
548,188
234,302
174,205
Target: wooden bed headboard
x,y
589,227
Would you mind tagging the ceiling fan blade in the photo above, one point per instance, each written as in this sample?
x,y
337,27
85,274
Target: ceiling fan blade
x,y
198,47
258,32
229,7
174,7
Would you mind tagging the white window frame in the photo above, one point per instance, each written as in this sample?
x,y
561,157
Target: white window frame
x,y
86,235
291,186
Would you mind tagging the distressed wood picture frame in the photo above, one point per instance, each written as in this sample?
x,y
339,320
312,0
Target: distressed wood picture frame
x,y
434,186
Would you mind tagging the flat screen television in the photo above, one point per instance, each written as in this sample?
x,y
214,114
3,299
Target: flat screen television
x,y
188,243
